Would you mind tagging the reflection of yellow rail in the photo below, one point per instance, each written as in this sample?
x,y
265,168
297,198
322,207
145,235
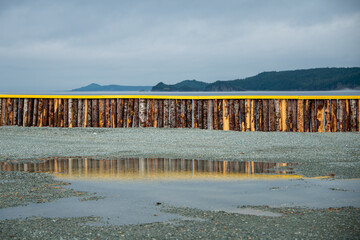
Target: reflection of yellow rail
x,y
173,176
174,97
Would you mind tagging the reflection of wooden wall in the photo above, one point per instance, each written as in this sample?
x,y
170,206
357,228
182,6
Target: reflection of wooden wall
x,y
287,115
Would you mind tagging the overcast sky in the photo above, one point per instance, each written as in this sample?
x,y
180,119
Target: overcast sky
x,y
60,45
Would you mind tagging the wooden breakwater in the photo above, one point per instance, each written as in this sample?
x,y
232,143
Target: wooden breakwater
x,y
238,113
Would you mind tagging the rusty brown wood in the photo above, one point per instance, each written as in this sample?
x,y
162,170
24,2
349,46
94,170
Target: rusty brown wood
x,y
200,107
120,113
71,112
327,116
289,114
247,115
4,111
231,114
63,113
89,113
189,113
30,112
161,113
142,112
210,114
130,113
166,113
358,117
149,111
353,115
10,110
300,115
25,120
172,113
15,110
272,115
320,115
220,114
237,115
347,115
333,107
80,112
195,110
21,111
307,115
242,115
283,117
51,113
253,106
46,112
178,113
313,115
136,113
94,113
216,115
126,112
295,115
265,115
260,119
183,114
85,109
102,108
341,119
107,122
1,112
156,113
277,115
40,112
205,114
75,112
56,112
35,113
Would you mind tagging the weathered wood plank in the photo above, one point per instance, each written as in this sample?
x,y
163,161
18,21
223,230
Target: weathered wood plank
x,y
120,113
307,115
15,110
75,112
272,115
149,110
51,113
21,111
237,115
266,115
34,113
107,122
89,113
300,113
26,113
215,115
334,127
189,113
200,107
259,117
46,112
142,112
327,116
253,109
313,115
94,113
136,113
80,112
195,111
85,109
347,115
231,115
247,115
205,114
289,114
71,113
341,115
56,112
161,113
101,113
183,114
10,111
166,113
131,113
40,112
178,113
172,113
156,113
320,115
126,112
284,122
242,115
353,115
220,114
277,115
63,112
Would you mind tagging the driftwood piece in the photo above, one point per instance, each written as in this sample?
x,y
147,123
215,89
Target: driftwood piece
x,y
189,113
94,113
320,115
136,112
142,112
205,114
130,113
166,113
265,115
353,115
307,115
334,127
327,116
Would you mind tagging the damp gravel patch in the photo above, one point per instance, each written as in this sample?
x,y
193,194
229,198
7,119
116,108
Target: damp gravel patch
x,y
317,154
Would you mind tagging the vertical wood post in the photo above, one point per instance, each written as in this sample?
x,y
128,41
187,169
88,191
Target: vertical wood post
x,y
231,114
327,116
75,112
71,112
295,115
205,114
136,112
313,115
10,110
358,117
341,115
284,122
21,111
259,117
107,113
149,110
253,108
63,112
266,115
15,110
80,112
188,113
300,109
26,112
237,115
220,114
120,112
247,115
30,112
130,113
166,113
353,115
56,112
320,115
334,127
89,113
277,115
142,112
242,115
200,105
347,115
172,113
307,115
156,113
289,114
226,115
1,111
216,114
85,110
178,113
94,113
51,113
183,114
35,113
46,112
195,113
40,112
126,112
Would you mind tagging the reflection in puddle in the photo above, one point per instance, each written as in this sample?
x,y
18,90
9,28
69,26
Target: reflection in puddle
x,y
154,168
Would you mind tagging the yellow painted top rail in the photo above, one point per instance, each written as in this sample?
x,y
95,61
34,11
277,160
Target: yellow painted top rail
x,y
176,97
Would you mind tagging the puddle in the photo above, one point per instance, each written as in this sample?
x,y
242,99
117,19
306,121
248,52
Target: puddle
x,y
132,187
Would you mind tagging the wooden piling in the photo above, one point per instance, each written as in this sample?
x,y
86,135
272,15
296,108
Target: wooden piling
x,y
295,115
46,112
334,127
284,122
166,113
327,116
320,115
130,113
71,112
195,110
107,113
259,116
136,112
178,113
21,111
126,113
172,113
347,115
205,114
200,105
277,115
183,114
353,115
10,111
149,110
253,108
300,113
75,112
15,110
265,115
120,113
94,113
26,113
35,113
189,113
313,116
220,115
156,113
242,115
289,114
215,115
341,119
51,113
272,115
247,115
307,115
237,115
89,113
40,112
1,112
231,115
56,112
84,113
63,113
358,117
142,112
113,112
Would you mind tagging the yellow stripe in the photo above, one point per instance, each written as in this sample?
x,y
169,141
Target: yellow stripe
x,y
174,97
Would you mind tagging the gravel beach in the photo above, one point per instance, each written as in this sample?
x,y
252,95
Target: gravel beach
x,y
317,154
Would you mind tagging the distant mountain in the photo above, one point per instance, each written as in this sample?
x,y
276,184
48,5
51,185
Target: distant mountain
x,y
97,87
317,79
